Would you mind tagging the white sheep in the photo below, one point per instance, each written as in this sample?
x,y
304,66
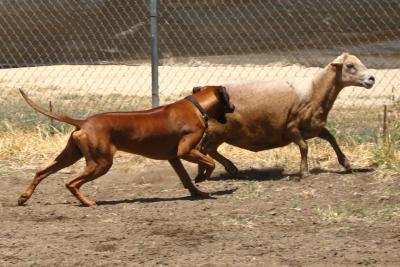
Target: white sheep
x,y
272,114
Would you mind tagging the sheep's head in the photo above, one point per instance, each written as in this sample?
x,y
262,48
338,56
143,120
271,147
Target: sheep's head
x,y
352,72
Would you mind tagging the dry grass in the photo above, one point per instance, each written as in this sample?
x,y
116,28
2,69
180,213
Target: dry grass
x,y
350,213
32,148
344,213
357,131
321,155
29,149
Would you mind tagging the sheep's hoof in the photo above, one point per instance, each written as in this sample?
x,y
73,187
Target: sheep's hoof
x,y
200,178
348,170
347,167
295,178
304,174
232,170
345,163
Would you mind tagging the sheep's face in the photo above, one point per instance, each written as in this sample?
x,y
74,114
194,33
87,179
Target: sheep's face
x,y
353,72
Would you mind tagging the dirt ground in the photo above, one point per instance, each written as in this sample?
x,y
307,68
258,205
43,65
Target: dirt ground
x,y
262,218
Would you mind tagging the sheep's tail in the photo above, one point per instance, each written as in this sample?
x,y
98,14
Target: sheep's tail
x,y
63,118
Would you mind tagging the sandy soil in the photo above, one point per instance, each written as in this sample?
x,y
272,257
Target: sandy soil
x,y
176,80
262,218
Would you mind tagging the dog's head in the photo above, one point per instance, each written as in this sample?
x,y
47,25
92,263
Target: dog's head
x,y
224,104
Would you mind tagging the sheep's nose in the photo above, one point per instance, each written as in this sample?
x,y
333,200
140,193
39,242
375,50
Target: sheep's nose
x,y
371,79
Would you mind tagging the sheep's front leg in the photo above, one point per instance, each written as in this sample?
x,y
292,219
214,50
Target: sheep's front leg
x,y
210,148
326,135
297,138
228,165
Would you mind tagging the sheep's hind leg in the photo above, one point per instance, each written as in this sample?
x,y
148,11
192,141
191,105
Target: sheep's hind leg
x,y
326,135
297,138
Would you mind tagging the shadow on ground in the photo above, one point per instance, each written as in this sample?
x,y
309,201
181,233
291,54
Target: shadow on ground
x,y
158,199
354,170
277,173
255,174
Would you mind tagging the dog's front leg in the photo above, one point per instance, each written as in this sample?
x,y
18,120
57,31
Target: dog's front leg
x,y
185,178
187,151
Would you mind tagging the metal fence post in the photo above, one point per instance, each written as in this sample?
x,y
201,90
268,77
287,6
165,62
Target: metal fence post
x,y
155,99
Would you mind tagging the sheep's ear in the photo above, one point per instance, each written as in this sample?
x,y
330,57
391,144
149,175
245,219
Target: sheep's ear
x,y
339,60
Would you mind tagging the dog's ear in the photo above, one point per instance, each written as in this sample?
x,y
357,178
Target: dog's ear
x,y
225,100
196,89
223,94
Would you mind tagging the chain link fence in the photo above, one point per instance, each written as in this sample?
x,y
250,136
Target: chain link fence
x,y
87,56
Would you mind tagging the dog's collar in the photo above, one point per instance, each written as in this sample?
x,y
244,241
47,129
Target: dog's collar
x,y
200,108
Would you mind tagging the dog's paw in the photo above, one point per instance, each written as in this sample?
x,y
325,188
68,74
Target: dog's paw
x,y
89,203
22,199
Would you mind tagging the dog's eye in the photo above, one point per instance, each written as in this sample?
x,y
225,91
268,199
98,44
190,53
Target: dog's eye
x,y
350,65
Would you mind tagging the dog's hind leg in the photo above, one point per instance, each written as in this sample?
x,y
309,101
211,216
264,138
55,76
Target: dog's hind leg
x,y
67,157
92,171
99,159
185,178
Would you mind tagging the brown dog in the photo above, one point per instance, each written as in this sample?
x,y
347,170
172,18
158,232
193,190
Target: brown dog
x,y
169,132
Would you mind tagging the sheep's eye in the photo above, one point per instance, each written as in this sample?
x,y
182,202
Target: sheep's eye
x,y
350,65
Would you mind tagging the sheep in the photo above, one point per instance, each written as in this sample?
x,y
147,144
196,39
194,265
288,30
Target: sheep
x,y
271,114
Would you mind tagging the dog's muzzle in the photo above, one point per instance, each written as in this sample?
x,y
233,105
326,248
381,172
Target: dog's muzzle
x,y
229,108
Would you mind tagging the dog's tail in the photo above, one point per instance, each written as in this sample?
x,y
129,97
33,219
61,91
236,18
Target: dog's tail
x,y
63,118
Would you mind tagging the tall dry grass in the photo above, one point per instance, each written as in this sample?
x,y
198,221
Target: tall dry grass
x,y
22,149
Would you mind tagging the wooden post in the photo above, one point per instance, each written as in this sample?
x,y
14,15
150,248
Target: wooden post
x,y
51,120
393,96
384,127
